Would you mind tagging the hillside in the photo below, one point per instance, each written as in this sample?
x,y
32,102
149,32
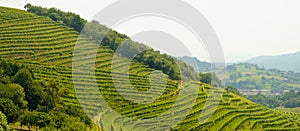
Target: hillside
x,y
47,48
283,62
248,77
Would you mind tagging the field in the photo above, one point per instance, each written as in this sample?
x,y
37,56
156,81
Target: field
x,y
47,47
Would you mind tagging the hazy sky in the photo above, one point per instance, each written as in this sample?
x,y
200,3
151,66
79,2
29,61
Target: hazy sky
x,y
246,28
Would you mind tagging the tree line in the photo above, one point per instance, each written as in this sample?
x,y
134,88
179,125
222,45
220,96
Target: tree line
x,y
104,36
68,18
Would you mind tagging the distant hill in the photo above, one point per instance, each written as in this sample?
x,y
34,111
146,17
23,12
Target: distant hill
x,y
247,77
283,62
199,66
269,87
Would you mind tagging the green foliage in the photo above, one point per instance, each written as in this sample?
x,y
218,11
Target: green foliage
x,y
37,119
49,96
205,77
43,98
199,66
276,82
288,100
38,95
8,69
233,90
130,49
70,19
77,112
49,60
292,103
62,121
25,78
265,100
176,69
10,110
14,92
157,61
3,122
137,51
112,39
33,92
54,120
249,76
210,78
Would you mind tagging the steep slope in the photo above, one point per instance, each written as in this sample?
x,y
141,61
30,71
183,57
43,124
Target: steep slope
x,y
282,62
47,48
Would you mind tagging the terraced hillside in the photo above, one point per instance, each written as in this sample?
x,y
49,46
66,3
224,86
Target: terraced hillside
x,y
47,48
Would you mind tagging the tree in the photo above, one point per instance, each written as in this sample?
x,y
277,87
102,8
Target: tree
x,y
69,19
10,110
10,69
3,122
43,119
205,77
291,103
49,96
14,92
78,112
37,119
33,90
62,121
24,77
210,78
105,36
233,90
27,120
266,100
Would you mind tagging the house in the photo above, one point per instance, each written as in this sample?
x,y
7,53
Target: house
x,y
264,91
254,91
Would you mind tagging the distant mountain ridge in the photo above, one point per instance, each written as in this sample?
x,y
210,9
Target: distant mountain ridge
x,y
199,66
287,62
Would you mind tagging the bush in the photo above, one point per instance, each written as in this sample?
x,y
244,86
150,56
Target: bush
x,y
14,92
37,119
3,122
10,110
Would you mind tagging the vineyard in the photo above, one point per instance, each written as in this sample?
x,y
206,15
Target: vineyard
x,y
47,47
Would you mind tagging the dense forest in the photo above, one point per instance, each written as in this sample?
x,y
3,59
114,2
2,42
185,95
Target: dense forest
x,y
35,104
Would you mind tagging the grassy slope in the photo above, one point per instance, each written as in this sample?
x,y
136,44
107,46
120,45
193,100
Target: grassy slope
x,y
47,47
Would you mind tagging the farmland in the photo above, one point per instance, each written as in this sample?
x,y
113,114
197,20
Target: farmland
x,y
47,48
